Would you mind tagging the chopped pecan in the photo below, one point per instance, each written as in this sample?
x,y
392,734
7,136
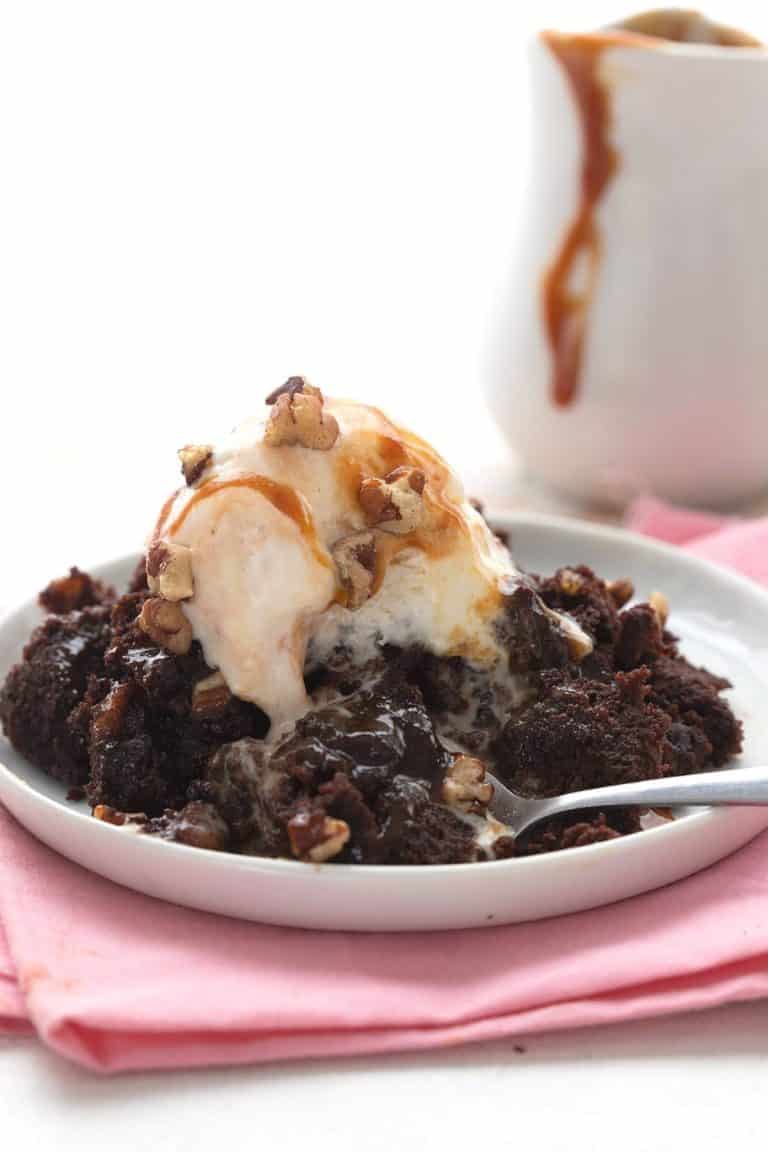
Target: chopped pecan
x,y
355,559
660,605
109,815
200,826
395,503
74,591
336,833
108,717
317,837
465,786
571,583
292,385
579,643
169,570
584,833
194,458
411,477
620,591
210,696
165,623
298,417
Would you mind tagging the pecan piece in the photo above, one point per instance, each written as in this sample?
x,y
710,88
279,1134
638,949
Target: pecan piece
x,y
571,583
580,645
395,503
292,385
660,605
109,815
412,478
108,717
620,592
355,559
169,571
298,417
465,786
165,623
77,590
317,837
210,696
194,458
200,826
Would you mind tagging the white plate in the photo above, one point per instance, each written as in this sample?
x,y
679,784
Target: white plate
x,y
722,620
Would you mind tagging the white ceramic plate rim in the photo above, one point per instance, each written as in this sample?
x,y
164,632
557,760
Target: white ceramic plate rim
x,y
664,837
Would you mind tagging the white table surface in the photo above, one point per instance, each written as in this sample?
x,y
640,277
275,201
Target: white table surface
x,y
199,200
696,1081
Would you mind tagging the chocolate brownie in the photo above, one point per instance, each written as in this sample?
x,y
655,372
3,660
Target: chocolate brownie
x,y
388,766
41,697
373,762
152,730
75,590
583,734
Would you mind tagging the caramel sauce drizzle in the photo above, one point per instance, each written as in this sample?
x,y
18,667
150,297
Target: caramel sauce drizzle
x,y
380,456
282,497
565,311
165,512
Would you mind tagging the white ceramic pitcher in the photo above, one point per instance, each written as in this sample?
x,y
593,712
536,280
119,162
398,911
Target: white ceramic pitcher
x,y
633,355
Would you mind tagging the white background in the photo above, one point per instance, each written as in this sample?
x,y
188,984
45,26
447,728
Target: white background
x,y
197,200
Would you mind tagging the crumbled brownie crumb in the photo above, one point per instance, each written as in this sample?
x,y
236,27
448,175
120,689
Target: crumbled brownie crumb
x,y
640,638
535,644
43,691
572,832
73,592
582,595
583,734
692,696
198,825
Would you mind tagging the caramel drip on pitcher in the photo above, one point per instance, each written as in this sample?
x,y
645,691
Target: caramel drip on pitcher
x,y
565,310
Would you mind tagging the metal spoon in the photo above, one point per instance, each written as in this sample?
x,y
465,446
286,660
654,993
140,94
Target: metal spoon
x,y
740,786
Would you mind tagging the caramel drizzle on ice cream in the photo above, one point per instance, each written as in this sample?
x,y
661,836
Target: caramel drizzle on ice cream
x,y
281,496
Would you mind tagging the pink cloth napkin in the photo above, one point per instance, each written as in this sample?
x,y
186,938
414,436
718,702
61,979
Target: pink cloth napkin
x,y
115,980
741,544
13,1013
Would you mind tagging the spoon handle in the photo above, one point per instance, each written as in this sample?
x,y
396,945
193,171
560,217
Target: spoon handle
x,y
739,786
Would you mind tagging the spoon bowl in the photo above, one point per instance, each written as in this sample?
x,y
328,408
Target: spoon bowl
x,y
743,787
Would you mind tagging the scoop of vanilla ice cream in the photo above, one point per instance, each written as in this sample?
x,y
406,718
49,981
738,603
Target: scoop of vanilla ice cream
x,y
262,525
